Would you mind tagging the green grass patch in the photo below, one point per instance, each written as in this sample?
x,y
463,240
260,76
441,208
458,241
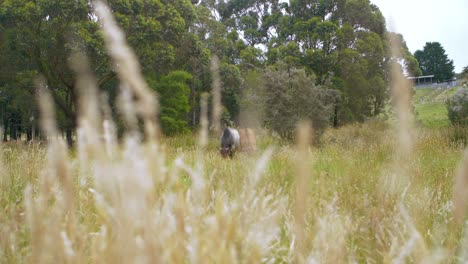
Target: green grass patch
x,y
433,115
430,107
364,201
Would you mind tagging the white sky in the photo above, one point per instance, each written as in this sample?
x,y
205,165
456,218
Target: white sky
x,y
421,21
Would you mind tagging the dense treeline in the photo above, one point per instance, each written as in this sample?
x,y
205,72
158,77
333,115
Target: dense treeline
x,y
335,45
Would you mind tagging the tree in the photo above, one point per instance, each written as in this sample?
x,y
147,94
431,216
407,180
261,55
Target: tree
x,y
341,43
410,63
231,88
434,61
39,29
291,96
48,32
174,93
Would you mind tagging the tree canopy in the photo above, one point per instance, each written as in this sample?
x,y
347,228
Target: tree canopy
x,y
339,45
434,61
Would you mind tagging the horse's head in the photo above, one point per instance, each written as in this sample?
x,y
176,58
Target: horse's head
x,y
224,152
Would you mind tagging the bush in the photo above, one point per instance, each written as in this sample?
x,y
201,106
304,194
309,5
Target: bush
x,y
291,96
458,134
457,107
173,92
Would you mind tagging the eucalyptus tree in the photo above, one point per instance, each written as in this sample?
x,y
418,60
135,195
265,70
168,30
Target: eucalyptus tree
x,y
47,32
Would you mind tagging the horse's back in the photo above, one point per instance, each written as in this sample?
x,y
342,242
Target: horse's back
x,y
235,137
230,136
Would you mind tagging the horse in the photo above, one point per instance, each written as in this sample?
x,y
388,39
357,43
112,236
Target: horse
x,y
230,142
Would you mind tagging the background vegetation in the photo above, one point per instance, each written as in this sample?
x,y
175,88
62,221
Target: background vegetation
x,y
339,44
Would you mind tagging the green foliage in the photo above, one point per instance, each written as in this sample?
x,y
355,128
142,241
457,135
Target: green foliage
x,y
42,35
457,107
458,134
291,96
342,44
231,89
250,57
433,60
364,93
173,92
288,54
412,66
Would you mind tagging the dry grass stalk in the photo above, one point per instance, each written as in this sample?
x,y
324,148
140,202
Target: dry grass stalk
x,y
396,179
125,105
47,112
302,188
51,215
203,136
329,244
460,191
216,94
198,191
401,91
108,126
397,186
463,249
414,246
129,70
89,118
88,93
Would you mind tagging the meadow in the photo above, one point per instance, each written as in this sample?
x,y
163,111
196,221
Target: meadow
x,y
376,192
179,202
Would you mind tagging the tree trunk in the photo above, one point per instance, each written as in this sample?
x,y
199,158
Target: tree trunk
x,y
5,130
12,130
335,117
33,131
29,134
40,134
69,134
19,132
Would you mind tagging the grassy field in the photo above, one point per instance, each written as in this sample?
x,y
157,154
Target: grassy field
x,y
181,203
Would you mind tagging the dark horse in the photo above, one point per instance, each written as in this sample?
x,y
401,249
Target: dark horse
x,y
230,142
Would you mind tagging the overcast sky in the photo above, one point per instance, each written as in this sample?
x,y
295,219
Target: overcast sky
x,y
422,21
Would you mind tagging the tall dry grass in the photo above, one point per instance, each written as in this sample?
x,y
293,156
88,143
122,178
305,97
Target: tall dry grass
x,y
200,208
216,94
371,193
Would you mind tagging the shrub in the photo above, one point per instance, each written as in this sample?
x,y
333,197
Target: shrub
x,y
174,93
458,134
458,107
292,96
